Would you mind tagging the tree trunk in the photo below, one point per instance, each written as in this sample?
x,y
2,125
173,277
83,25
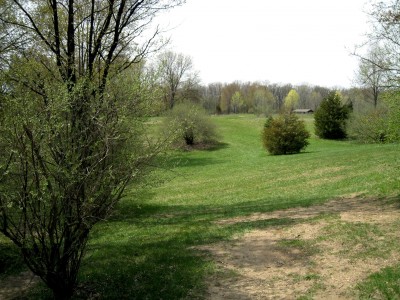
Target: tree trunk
x,y
62,288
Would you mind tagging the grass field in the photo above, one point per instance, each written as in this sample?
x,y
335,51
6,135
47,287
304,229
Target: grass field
x,y
146,250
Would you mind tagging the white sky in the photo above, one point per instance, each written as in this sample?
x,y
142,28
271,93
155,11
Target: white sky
x,y
280,41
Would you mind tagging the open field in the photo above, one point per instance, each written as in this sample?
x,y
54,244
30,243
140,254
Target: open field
x,y
177,239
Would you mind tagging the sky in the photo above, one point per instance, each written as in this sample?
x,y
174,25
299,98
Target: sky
x,y
278,41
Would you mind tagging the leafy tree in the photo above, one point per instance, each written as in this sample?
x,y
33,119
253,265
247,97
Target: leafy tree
x,y
70,141
189,124
330,118
285,134
237,102
291,100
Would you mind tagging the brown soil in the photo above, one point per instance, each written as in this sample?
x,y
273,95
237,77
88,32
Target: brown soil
x,y
15,287
315,259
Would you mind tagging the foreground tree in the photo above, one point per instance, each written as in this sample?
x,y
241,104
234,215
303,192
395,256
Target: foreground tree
x,y
330,118
69,144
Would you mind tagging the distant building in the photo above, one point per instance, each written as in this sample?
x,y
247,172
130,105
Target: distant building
x,y
303,111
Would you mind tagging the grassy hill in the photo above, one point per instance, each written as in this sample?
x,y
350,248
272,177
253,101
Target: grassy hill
x,y
146,250
241,174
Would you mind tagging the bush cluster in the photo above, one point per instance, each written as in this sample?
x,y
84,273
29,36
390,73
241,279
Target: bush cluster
x,y
392,100
188,124
369,127
285,134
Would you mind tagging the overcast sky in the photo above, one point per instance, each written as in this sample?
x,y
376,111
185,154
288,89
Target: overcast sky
x,y
280,41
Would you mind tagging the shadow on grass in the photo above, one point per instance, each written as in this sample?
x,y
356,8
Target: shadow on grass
x,y
160,262
188,162
217,146
141,213
149,251
181,159
11,261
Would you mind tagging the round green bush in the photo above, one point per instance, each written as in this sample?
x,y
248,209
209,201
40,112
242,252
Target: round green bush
x,y
285,134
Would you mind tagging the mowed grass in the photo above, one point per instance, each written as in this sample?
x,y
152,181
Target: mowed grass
x,y
240,174
147,250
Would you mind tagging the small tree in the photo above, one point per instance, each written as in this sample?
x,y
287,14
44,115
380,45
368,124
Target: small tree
x,y
330,118
285,134
291,100
237,102
189,124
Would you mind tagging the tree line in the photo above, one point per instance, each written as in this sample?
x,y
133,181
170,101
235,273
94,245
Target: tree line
x,y
178,81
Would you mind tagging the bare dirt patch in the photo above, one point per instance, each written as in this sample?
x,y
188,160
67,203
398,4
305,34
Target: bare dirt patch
x,y
15,287
324,255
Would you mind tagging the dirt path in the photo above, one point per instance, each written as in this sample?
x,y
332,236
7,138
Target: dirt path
x,y
324,255
15,287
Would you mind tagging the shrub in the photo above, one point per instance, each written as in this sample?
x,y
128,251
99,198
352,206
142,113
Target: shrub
x,y
285,134
369,127
330,118
392,100
189,124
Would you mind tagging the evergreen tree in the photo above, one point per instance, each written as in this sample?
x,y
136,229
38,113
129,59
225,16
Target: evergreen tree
x,y
330,118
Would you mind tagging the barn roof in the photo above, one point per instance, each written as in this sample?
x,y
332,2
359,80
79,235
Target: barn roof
x,y
303,110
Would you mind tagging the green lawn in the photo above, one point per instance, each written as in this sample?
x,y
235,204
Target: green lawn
x,y
145,251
